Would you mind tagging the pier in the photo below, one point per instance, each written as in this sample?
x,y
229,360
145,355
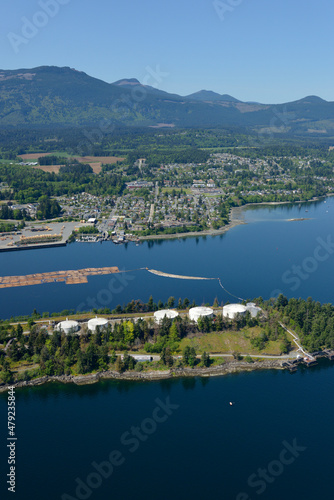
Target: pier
x,y
328,354
309,361
292,366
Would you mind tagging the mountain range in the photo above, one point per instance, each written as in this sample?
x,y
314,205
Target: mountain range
x,y
52,96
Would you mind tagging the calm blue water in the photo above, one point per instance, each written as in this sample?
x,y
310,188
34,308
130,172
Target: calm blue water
x,y
251,260
205,447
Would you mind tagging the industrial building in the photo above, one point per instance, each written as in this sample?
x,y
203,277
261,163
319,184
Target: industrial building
x,y
141,358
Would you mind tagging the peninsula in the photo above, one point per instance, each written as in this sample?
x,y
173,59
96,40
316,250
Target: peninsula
x,y
144,341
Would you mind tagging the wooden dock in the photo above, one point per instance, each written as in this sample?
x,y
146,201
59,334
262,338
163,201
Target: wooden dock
x,y
73,277
308,361
327,353
292,366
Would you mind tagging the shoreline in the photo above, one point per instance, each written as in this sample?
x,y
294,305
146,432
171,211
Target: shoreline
x,y
208,232
34,247
235,220
234,215
227,368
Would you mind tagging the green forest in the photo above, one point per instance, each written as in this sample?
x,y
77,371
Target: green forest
x,y
54,353
28,184
312,321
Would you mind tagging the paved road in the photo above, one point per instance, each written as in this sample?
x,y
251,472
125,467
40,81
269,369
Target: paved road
x,y
266,356
114,210
150,219
284,356
156,192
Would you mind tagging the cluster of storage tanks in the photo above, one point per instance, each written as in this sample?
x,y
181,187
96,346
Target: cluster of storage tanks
x,y
229,311
194,313
70,326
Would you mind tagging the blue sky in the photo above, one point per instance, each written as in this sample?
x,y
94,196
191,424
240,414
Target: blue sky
x,y
260,50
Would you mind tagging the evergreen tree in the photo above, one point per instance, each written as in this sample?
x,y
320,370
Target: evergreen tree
x,y
186,303
113,357
13,351
174,333
189,356
171,302
205,359
119,364
98,336
166,356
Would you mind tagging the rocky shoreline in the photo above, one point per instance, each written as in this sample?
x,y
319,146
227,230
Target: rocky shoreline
x,y
93,378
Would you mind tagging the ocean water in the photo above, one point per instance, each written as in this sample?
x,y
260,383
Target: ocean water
x,y
266,256
274,443
181,438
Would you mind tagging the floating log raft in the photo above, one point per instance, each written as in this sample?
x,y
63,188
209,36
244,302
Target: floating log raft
x,y
74,277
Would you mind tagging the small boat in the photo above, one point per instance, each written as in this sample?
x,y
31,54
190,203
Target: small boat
x,y
231,403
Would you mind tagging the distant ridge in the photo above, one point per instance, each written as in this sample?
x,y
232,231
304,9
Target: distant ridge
x,y
127,81
209,95
49,96
313,99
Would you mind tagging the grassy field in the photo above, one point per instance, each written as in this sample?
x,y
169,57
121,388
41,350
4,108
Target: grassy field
x,y
177,190
94,161
22,366
229,342
108,160
49,168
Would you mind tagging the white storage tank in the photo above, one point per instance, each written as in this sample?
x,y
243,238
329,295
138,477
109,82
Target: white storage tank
x,y
253,309
102,323
68,326
168,313
231,310
200,312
